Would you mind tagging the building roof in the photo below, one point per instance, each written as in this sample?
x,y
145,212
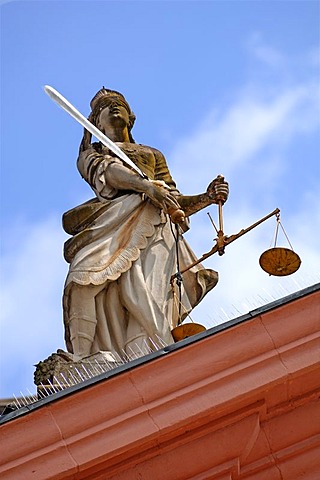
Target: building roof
x,y
159,353
238,402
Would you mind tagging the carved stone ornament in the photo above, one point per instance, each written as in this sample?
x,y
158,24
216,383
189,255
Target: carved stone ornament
x,y
60,371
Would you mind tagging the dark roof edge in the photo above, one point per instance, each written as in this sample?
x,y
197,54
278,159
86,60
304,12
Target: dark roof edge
x,y
247,316
170,348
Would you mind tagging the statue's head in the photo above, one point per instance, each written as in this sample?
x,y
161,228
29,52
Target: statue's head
x,y
102,99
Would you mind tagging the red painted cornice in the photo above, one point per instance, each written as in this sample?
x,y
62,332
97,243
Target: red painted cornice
x,y
239,404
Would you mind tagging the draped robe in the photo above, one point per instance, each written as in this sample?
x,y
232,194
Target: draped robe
x,y
123,250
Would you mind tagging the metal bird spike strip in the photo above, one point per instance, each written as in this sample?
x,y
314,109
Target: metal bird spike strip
x,y
76,373
218,316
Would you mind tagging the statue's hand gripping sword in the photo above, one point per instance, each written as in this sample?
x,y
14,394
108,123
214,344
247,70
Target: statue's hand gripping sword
x,y
177,216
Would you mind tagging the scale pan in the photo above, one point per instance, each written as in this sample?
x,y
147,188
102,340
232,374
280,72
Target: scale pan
x,y
279,261
187,330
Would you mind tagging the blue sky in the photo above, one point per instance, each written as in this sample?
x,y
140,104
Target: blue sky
x,y
228,87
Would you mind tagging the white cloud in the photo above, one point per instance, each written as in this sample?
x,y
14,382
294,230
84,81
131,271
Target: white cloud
x,y
31,314
264,52
242,282
253,126
313,57
252,144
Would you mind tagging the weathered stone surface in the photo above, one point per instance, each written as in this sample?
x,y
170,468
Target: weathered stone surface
x,y
60,370
118,294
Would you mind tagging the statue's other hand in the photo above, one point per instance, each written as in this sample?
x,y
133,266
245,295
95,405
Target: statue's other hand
x,y
218,190
161,197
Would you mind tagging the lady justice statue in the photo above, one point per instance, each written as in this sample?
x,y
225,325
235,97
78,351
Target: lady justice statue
x,y
124,246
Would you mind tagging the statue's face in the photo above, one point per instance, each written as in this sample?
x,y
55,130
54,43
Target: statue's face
x,y
114,113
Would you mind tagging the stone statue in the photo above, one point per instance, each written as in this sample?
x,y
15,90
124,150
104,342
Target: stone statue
x,y
123,249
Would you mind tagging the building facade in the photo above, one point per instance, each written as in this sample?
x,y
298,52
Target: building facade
x,y
239,401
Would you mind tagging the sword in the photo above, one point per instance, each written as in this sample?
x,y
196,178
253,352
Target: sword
x,y
69,108
177,216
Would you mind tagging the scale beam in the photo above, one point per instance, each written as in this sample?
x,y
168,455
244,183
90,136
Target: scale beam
x,y
222,241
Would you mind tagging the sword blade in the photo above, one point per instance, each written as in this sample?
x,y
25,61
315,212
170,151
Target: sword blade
x,y
69,108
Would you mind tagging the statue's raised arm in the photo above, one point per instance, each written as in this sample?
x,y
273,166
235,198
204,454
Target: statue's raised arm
x,y
122,252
